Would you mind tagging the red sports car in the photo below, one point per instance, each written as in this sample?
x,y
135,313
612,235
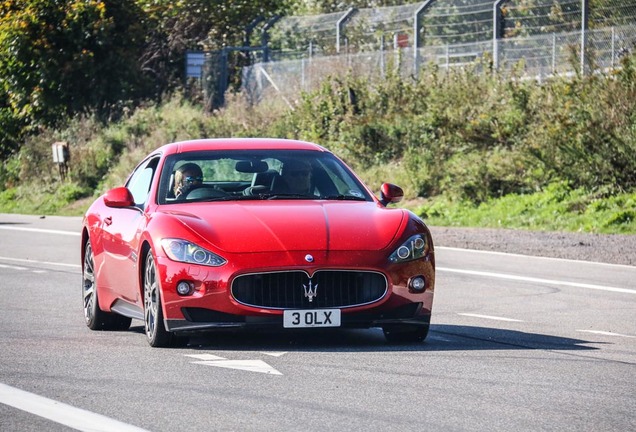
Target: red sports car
x,y
238,233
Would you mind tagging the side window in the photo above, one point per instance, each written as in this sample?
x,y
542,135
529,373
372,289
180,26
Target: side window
x,y
139,183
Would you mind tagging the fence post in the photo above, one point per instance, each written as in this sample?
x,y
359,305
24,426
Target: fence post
x,y
447,58
417,26
265,36
497,31
382,66
553,53
340,26
223,81
249,28
613,47
585,9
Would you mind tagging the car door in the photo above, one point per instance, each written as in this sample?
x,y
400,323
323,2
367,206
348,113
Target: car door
x,y
122,232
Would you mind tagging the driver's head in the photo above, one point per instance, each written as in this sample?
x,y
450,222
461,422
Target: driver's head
x,y
187,175
297,175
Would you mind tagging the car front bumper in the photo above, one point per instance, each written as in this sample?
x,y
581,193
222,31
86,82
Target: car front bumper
x,y
212,306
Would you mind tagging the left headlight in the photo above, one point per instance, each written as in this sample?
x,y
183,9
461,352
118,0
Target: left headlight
x,y
415,247
187,252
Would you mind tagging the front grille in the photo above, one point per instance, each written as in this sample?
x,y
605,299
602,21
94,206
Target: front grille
x,y
287,290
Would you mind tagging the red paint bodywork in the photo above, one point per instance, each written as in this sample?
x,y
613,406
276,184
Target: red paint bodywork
x,y
254,237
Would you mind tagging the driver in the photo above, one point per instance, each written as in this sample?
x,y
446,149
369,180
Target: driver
x,y
186,178
296,175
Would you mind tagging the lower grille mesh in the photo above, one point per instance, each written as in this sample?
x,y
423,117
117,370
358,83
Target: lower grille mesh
x,y
293,290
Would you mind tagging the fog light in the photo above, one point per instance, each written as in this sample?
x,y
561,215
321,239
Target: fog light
x,y
184,288
417,283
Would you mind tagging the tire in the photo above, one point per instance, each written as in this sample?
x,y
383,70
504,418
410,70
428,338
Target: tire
x,y
156,333
405,333
95,318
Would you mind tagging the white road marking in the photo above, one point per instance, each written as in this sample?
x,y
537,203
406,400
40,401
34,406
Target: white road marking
x,y
538,280
28,261
61,413
12,267
490,317
205,357
247,365
451,270
40,230
477,251
74,233
605,333
274,354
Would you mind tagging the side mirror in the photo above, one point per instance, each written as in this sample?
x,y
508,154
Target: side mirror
x,y
118,198
390,194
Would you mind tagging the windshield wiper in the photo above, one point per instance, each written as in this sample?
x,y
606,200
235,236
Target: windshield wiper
x,y
210,199
274,196
344,198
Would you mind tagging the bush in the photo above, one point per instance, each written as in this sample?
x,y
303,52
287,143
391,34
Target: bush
x,y
464,139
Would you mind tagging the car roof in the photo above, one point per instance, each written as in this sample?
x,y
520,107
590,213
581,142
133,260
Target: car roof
x,y
239,144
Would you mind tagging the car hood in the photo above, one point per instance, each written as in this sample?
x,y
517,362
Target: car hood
x,y
288,226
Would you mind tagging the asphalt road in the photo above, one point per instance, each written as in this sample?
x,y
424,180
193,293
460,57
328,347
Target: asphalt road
x,y
516,343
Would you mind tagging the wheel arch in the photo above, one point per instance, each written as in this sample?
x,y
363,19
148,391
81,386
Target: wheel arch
x,y
145,250
85,238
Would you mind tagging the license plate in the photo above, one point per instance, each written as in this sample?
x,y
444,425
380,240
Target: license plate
x,y
311,318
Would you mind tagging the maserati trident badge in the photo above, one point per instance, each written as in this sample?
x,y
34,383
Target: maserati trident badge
x,y
310,291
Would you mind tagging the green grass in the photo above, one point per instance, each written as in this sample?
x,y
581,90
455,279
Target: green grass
x,y
53,199
555,209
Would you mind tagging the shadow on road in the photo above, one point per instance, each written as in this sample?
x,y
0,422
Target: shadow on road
x,y
442,337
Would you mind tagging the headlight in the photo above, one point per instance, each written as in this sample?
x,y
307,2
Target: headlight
x,y
184,251
415,247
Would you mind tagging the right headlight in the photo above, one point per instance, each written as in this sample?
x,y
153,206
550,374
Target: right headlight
x,y
188,252
413,248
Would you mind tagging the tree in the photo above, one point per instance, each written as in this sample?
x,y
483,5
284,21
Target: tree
x,y
59,58
200,25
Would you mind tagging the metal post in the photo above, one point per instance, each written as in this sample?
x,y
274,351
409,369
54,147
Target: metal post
x,y
553,53
447,58
311,53
382,66
417,27
396,52
340,26
613,47
265,36
302,74
585,9
250,28
497,31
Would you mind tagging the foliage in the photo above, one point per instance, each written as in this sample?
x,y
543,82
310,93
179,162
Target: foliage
x,y
311,7
60,58
481,149
557,208
178,26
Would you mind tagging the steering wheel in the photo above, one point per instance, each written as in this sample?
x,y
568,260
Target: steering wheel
x,y
201,191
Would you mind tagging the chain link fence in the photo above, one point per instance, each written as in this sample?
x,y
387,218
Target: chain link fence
x,y
539,37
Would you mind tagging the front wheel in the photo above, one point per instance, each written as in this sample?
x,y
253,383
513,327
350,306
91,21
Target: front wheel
x,y
156,332
95,318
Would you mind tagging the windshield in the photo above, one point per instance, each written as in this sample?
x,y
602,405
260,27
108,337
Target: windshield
x,y
257,174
